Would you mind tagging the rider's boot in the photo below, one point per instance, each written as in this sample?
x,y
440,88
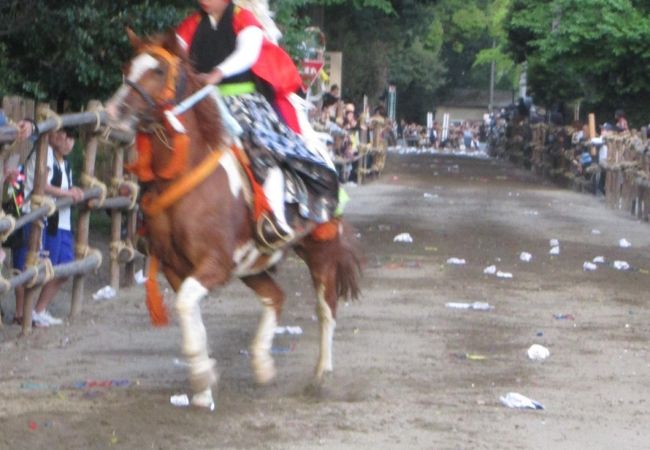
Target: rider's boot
x,y
273,229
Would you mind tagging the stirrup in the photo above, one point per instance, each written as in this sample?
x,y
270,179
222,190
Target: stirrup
x,y
270,234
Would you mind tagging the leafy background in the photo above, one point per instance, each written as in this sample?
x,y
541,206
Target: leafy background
x,y
593,51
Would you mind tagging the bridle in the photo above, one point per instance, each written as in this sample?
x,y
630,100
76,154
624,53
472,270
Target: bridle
x,y
175,84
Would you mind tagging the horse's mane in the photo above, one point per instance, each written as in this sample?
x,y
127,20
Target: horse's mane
x,y
207,113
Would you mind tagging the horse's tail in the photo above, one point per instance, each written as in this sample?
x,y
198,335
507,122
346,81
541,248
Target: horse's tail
x,y
349,263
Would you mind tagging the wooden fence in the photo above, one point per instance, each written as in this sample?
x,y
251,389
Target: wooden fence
x,y
118,195
551,152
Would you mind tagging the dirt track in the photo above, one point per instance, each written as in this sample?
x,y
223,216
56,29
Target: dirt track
x,y
399,379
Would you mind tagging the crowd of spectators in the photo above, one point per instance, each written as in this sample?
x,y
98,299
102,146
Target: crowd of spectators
x,y
461,135
351,132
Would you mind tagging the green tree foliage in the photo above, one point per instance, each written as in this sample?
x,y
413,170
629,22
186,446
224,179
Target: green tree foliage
x,y
595,50
401,47
73,50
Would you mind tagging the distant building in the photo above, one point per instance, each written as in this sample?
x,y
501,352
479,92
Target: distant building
x,y
471,104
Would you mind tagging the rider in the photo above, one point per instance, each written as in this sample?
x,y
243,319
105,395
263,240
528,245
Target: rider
x,y
228,46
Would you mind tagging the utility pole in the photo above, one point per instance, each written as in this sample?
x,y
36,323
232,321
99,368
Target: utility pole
x,y
492,69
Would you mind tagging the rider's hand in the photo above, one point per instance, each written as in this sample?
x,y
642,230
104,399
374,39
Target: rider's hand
x,y
213,77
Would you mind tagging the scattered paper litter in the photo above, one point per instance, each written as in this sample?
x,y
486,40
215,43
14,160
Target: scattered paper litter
x,y
554,250
554,243
104,293
621,265
525,256
457,261
599,259
589,266
180,400
595,231
538,352
516,400
479,306
288,330
403,237
139,277
490,270
428,195
624,243
504,274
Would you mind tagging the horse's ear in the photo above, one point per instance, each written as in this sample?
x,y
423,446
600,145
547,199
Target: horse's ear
x,y
171,43
135,41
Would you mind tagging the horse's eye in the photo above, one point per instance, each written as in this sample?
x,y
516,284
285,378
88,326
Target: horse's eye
x,y
159,71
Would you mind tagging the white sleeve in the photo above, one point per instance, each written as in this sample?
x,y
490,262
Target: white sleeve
x,y
247,50
50,165
182,42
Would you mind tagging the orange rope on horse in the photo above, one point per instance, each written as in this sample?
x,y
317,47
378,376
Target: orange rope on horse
x,y
182,186
155,302
260,203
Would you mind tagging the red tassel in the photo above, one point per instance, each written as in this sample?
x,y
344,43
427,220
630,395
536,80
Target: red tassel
x,y
155,302
142,166
325,231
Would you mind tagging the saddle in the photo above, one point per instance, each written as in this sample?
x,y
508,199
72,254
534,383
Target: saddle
x,y
307,197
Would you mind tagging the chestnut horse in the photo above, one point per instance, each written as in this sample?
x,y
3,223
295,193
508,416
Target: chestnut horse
x,y
206,236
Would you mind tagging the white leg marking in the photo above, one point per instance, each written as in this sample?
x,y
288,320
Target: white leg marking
x,y
195,346
234,175
262,361
327,326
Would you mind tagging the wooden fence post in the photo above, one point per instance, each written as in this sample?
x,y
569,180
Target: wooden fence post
x,y
83,222
131,226
36,232
116,219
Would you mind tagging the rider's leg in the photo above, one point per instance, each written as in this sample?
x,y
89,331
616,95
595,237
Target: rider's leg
x,y
274,190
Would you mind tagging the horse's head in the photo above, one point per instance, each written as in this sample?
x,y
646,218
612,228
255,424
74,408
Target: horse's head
x,y
154,81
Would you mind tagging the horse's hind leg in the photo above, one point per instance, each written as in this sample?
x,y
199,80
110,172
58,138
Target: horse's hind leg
x,y
326,309
194,346
271,297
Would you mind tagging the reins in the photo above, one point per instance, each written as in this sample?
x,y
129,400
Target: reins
x,y
153,206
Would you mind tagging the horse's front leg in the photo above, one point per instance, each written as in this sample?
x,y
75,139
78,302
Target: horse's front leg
x,y
202,372
271,297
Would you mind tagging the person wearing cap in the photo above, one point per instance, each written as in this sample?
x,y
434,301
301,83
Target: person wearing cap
x,y
229,46
57,239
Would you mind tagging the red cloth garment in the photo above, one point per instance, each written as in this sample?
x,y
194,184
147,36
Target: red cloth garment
x,y
274,65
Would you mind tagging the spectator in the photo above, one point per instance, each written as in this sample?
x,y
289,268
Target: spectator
x,y
57,238
621,121
13,191
332,97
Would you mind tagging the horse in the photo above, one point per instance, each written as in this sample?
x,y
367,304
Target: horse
x,y
205,238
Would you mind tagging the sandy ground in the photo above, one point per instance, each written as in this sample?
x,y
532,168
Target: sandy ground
x,y
400,380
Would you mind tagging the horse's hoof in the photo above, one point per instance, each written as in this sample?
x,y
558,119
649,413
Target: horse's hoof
x,y
264,371
203,400
321,375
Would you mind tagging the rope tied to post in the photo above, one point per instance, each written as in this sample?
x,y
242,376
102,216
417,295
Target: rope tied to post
x,y
5,285
44,266
84,251
43,200
134,190
97,110
89,181
12,225
49,114
118,246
